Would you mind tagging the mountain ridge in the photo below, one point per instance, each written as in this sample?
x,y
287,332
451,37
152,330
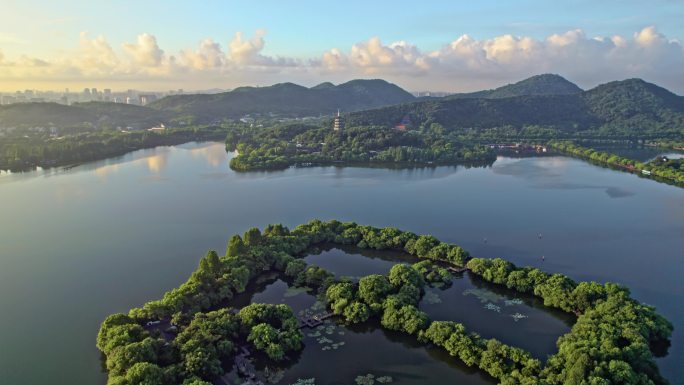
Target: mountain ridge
x,y
631,105
287,99
543,84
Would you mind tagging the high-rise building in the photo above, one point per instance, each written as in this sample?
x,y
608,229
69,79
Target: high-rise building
x,y
145,99
338,124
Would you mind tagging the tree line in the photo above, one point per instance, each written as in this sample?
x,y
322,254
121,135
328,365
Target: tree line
x,y
26,152
669,170
281,146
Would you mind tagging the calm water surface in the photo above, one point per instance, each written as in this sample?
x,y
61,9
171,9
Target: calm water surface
x,y
492,311
353,351
79,244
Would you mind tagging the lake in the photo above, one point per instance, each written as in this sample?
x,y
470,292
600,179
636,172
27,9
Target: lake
x,y
77,245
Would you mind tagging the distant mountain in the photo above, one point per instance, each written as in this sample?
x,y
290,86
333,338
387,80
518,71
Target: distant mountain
x,y
635,104
79,116
545,84
629,107
285,99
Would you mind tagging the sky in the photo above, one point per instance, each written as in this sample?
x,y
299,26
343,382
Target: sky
x,y
429,45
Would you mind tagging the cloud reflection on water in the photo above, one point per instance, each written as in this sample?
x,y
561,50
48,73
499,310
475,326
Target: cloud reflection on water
x,y
549,173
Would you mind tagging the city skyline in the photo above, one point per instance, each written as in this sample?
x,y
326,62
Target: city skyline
x,y
440,47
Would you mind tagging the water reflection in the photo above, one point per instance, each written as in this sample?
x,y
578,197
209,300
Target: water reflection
x,y
156,163
104,171
214,155
550,174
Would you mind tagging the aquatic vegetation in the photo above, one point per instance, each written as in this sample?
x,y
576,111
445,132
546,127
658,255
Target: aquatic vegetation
x,y
513,302
518,316
293,291
370,379
491,306
483,295
323,333
273,375
307,381
431,298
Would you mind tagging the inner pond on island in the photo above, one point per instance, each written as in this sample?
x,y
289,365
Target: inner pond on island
x,y
490,311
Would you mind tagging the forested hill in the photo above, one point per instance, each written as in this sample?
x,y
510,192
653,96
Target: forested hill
x,y
623,108
80,116
286,99
544,84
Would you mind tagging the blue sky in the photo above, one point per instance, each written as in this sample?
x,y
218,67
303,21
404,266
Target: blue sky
x,y
303,28
306,29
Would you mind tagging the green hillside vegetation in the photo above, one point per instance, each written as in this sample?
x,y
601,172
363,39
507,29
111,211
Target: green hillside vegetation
x,y
631,109
544,84
610,344
286,145
79,117
285,100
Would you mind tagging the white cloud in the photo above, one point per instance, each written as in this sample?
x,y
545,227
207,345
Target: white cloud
x,y
145,52
243,51
96,55
247,53
467,63
209,55
464,63
373,57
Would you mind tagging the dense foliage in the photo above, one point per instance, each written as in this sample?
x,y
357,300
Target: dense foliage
x,y
609,344
78,117
300,145
628,109
544,84
285,100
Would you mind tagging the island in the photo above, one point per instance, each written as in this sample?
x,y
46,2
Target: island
x,y
194,333
300,145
